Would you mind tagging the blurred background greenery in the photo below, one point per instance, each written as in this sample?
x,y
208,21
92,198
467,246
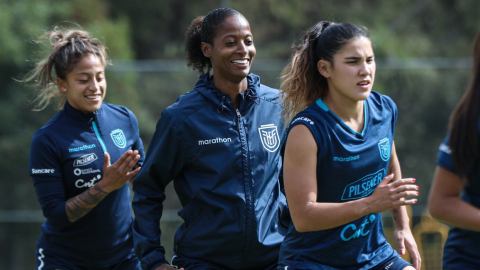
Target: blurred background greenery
x,y
422,47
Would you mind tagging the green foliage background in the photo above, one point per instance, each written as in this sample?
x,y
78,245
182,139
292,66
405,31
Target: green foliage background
x,y
154,30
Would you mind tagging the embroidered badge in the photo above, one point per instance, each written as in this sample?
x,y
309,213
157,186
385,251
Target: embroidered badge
x,y
118,138
269,137
384,147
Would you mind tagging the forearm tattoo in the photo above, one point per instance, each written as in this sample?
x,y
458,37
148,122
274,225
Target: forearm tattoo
x,y
394,214
81,204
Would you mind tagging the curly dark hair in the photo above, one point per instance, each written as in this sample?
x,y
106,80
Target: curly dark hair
x,y
204,29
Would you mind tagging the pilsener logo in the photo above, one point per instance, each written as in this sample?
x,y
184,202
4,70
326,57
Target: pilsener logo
x,y
363,187
85,160
81,148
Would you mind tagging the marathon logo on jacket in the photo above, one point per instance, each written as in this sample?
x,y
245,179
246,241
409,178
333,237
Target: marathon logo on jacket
x,y
118,138
269,137
214,141
81,148
85,160
363,187
43,171
384,147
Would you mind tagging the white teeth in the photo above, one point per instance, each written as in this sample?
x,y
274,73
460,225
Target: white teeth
x,y
96,96
240,61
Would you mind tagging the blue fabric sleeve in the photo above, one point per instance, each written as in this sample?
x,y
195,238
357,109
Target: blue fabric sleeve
x,y
138,145
444,158
394,108
45,170
163,162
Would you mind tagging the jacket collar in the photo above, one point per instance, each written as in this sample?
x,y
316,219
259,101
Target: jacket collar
x,y
78,115
206,87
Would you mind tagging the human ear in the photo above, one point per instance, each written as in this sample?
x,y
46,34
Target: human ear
x,y
62,86
324,68
206,49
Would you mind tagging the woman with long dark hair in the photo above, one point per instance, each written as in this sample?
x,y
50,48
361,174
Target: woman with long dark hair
x,y
455,193
341,169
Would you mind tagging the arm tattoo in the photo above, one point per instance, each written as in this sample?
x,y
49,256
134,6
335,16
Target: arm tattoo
x,y
394,214
81,204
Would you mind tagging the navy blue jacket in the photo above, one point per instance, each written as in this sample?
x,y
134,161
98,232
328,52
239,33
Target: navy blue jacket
x,y
225,165
67,156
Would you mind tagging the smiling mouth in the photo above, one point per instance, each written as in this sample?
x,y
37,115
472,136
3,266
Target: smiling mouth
x,y
242,62
93,96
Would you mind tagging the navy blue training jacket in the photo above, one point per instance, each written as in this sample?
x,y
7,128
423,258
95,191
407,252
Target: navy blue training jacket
x,y
224,163
66,158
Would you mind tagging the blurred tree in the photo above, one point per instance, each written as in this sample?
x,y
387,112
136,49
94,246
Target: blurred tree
x,y
153,30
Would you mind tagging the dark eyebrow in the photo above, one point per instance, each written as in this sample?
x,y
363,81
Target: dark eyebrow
x,y
357,57
86,73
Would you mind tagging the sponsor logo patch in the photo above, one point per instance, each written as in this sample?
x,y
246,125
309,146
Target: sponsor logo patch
x,y
302,118
351,231
363,187
85,160
118,138
214,141
346,159
80,183
445,148
384,147
269,137
79,171
81,148
42,171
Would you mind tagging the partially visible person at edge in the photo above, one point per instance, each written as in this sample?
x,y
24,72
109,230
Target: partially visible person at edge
x,y
340,164
82,159
220,145
455,192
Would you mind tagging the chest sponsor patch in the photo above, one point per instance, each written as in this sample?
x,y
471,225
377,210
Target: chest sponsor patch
x,y
79,171
85,160
363,187
81,148
269,137
118,138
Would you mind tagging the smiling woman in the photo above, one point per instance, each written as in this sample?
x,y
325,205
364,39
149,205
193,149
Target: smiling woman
x,y
220,145
85,199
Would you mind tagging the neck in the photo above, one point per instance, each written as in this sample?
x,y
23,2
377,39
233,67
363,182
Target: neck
x,y
232,89
349,111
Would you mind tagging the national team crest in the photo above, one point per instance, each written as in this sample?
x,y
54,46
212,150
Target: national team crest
x,y
118,138
384,147
269,137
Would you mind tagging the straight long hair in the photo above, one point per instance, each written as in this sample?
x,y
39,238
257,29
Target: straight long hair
x,y
464,123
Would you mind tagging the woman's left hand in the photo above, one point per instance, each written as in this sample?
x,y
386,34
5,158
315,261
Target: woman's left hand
x,y
405,240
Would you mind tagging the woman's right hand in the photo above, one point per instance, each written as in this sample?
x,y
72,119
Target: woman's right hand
x,y
166,266
391,195
116,175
